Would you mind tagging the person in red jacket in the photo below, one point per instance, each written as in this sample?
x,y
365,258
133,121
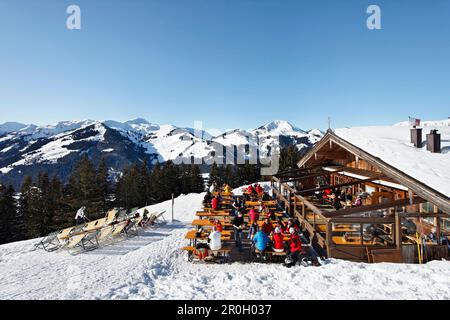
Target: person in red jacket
x,y
267,227
259,190
218,225
215,203
278,241
295,248
250,189
253,215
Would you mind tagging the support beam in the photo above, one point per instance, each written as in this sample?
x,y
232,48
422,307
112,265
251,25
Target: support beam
x,y
324,173
357,181
362,209
398,230
365,220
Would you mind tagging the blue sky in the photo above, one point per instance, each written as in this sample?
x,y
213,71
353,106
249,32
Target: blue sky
x,y
229,63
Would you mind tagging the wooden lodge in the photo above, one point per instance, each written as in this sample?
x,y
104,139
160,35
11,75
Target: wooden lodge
x,y
392,223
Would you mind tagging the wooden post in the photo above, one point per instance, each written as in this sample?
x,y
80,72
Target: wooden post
x,y
172,206
290,202
398,230
437,222
329,240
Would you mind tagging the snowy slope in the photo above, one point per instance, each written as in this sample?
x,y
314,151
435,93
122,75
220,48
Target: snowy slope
x,y
152,266
392,145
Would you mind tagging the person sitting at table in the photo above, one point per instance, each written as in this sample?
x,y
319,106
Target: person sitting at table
x,y
237,203
253,215
227,189
280,224
297,223
250,190
253,230
265,197
259,190
358,201
215,239
207,199
267,227
270,215
295,249
215,203
337,203
218,225
261,240
278,240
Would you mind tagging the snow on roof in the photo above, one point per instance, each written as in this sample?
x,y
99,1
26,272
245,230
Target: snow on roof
x,y
392,145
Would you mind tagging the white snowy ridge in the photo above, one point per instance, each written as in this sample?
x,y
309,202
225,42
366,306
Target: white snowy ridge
x,y
166,142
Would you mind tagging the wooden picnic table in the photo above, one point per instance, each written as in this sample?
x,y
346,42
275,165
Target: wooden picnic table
x,y
211,210
212,215
208,223
191,235
257,203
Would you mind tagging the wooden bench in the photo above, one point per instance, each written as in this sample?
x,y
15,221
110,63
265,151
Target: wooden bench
x,y
271,252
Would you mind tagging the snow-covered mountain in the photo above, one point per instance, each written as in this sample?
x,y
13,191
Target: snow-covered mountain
x,y
28,149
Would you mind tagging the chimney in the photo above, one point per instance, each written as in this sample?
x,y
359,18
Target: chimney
x,y
416,137
434,141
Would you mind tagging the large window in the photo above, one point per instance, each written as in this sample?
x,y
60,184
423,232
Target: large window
x,y
362,234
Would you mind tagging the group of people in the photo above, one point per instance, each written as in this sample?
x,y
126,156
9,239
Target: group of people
x,y
272,234
340,198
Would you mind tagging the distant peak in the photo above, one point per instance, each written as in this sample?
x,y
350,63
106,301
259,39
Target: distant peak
x,y
137,121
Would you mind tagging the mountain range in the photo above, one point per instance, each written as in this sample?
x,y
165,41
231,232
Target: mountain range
x,y
30,149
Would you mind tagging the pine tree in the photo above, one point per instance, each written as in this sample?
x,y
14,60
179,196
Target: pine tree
x,y
213,175
84,190
289,157
8,213
62,215
146,197
185,179
197,183
156,183
103,185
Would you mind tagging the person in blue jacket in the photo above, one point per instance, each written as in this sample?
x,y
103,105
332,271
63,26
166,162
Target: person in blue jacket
x,y
261,240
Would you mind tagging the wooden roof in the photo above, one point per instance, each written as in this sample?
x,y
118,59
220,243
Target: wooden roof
x,y
334,145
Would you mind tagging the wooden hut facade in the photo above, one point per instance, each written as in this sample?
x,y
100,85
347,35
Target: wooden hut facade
x,y
400,217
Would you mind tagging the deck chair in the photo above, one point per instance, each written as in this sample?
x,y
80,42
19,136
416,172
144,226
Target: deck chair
x,y
122,215
160,215
118,228
49,243
94,225
132,229
64,234
105,233
111,216
82,240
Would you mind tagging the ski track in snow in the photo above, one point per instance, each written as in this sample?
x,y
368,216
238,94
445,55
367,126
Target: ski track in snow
x,y
152,266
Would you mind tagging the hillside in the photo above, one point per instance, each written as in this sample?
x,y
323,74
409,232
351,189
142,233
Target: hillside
x,y
152,266
26,150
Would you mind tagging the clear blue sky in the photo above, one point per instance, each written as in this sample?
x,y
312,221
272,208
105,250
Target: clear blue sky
x,y
230,63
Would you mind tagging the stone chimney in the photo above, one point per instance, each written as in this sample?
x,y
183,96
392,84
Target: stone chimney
x,y
416,137
434,141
